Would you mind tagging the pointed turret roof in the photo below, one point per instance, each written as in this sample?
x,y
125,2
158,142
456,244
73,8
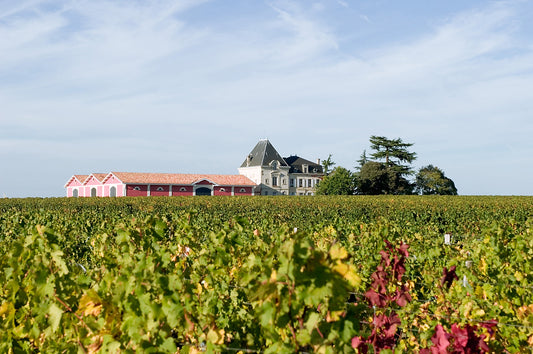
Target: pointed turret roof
x,y
262,155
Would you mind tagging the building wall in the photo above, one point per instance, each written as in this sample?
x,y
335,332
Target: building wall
x,y
253,173
113,182
304,184
222,190
176,190
132,192
159,190
121,189
243,190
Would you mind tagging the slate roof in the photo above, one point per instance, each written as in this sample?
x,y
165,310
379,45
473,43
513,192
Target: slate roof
x,y
262,155
296,163
181,178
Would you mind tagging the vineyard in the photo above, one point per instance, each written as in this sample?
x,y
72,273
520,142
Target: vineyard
x,y
267,274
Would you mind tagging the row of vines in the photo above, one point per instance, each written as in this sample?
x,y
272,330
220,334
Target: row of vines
x,y
267,274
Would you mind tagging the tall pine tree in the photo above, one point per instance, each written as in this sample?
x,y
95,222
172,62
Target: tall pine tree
x,y
395,159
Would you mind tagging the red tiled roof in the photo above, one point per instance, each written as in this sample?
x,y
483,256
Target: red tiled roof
x,y
81,178
99,176
181,178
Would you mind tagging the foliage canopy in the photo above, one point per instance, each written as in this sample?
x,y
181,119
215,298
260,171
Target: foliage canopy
x,y
339,182
388,171
431,180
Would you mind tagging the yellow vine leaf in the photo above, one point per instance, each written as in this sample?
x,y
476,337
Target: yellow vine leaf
x,y
349,273
338,252
216,336
90,304
6,308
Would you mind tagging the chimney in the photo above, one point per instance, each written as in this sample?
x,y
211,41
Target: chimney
x,y
318,161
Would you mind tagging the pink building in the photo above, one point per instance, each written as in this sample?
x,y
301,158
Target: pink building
x,y
263,172
120,184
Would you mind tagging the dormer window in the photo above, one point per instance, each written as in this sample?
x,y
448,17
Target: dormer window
x,y
275,164
305,168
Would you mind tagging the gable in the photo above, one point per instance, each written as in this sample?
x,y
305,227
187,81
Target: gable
x,y
204,182
76,180
112,179
92,181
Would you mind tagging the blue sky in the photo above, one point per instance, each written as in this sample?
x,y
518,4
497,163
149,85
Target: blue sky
x,y
191,86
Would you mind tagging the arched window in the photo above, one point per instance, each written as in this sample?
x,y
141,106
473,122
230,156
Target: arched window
x,y
93,192
113,191
242,190
136,188
160,189
183,189
75,193
222,189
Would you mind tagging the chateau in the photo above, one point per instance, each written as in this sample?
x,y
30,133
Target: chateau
x,y
263,172
275,175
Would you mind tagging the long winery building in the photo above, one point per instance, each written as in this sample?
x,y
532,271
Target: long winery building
x,y
263,172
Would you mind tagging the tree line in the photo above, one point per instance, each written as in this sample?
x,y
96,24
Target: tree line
x,y
386,170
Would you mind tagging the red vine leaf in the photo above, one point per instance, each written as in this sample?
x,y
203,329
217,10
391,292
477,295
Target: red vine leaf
x,y
448,277
440,340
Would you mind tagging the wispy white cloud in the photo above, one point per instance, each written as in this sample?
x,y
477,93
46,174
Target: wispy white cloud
x,y
306,39
343,3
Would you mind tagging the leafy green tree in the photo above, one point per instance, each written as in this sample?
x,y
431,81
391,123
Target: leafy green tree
x,y
373,179
391,177
339,182
327,164
431,180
